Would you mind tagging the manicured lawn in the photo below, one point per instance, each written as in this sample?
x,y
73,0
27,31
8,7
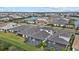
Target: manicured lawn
x,y
16,41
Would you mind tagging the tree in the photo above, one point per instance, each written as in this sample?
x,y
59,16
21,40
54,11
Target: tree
x,y
42,45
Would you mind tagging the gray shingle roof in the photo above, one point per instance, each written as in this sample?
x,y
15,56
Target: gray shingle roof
x,y
66,34
60,41
34,31
56,39
58,21
41,35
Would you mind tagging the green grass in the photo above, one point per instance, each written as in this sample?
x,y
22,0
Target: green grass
x,y
17,41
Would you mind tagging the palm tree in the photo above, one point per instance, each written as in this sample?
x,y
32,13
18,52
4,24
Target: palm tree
x,y
42,45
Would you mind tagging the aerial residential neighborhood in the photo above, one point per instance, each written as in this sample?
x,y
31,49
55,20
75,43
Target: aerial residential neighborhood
x,y
39,31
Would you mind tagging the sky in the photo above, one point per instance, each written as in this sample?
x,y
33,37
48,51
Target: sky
x,y
39,9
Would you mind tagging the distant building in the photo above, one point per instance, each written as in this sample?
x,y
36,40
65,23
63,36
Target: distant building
x,y
2,25
58,21
4,18
41,21
7,26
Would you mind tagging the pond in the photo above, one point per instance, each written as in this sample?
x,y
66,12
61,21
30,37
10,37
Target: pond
x,y
34,18
77,22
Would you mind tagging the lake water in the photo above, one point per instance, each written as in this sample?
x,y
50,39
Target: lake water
x,y
77,22
34,18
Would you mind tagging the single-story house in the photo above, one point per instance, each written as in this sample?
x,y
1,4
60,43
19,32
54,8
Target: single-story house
x,y
41,20
7,26
2,25
58,21
36,34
